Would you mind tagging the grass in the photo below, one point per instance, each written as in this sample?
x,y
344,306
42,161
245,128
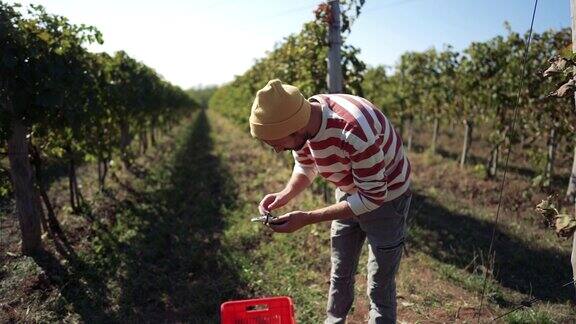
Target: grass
x,y
172,240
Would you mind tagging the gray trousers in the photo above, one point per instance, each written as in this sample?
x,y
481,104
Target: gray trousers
x,y
385,229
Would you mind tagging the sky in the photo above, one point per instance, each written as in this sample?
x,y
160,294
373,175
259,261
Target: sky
x,y
197,43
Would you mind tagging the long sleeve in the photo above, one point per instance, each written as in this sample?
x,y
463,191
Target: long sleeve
x,y
368,172
304,163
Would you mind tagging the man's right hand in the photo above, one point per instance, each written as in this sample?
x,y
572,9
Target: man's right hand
x,y
273,201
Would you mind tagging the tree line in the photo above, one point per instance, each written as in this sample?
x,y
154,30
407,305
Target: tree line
x,y
481,86
62,103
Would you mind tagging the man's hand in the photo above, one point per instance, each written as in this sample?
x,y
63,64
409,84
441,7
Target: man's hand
x,y
273,201
290,222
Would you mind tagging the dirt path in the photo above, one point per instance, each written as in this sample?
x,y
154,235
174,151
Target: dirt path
x,y
155,254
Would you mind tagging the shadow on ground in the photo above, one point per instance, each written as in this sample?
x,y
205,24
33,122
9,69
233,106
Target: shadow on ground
x,y
458,238
558,180
161,261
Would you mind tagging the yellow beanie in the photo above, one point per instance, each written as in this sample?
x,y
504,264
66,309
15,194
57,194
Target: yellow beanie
x,y
278,111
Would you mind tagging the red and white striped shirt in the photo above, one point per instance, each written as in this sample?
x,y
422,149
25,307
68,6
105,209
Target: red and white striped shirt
x,y
358,150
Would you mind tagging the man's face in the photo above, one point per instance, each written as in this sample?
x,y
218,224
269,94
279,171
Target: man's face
x,y
294,141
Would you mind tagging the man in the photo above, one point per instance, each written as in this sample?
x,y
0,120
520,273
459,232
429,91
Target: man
x,y
353,145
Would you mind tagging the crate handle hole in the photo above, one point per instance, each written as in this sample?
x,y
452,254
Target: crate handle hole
x,y
259,307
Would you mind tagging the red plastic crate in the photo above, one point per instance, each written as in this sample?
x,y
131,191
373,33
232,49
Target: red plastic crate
x,y
272,310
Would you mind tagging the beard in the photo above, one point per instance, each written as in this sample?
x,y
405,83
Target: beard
x,y
301,142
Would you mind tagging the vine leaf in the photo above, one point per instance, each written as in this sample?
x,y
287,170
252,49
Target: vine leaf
x,y
563,224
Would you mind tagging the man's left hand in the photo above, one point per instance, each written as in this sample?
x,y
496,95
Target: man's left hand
x,y
290,222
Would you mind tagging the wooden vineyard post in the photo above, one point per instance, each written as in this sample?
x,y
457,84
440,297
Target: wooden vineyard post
x,y
572,175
